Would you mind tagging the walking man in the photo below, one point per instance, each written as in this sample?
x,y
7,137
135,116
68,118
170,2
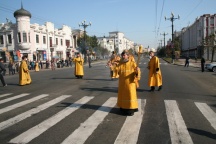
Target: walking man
x,y
155,77
202,64
2,69
187,61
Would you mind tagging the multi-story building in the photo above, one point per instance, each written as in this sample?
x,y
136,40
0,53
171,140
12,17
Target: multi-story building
x,y
38,42
192,37
116,41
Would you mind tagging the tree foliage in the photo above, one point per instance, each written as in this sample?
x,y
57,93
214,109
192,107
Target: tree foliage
x,y
91,43
209,42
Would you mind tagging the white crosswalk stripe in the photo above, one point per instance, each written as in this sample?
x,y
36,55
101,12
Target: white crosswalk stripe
x,y
6,109
208,113
20,117
38,129
80,135
128,133
13,98
4,95
177,127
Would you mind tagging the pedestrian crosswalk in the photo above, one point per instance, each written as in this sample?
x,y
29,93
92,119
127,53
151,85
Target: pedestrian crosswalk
x,y
127,134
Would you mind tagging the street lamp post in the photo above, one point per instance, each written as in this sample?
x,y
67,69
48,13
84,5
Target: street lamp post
x,y
85,25
172,18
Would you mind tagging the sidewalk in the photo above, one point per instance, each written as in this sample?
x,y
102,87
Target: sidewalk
x,y
192,62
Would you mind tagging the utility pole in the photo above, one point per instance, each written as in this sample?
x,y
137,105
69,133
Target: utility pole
x,y
164,37
172,18
160,44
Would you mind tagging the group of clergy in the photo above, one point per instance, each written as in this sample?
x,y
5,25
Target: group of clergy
x,y
123,68
127,71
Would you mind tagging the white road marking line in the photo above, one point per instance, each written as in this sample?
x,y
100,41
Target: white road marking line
x,y
177,127
208,113
3,95
13,98
42,127
130,131
18,118
6,109
80,135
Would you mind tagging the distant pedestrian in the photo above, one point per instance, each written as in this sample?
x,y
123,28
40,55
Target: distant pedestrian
x,y
202,64
53,64
187,61
10,68
2,70
89,61
41,65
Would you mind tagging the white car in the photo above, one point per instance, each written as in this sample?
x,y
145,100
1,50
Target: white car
x,y
211,66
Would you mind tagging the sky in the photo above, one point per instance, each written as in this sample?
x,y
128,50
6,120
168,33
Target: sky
x,y
141,21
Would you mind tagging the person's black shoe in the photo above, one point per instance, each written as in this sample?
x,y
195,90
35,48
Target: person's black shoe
x,y
160,87
131,114
5,85
152,89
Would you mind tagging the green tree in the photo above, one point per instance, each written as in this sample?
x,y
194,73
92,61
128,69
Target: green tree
x,y
209,42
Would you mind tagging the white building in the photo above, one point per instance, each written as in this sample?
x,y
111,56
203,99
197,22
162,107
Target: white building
x,y
116,41
38,42
193,36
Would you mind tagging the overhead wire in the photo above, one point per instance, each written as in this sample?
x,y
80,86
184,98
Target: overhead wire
x,y
34,17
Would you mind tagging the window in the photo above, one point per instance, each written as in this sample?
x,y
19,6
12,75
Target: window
x,y
9,39
24,37
37,38
50,40
19,37
67,43
1,39
61,42
44,39
56,41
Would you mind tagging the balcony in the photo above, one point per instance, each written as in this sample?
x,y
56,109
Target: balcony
x,y
24,46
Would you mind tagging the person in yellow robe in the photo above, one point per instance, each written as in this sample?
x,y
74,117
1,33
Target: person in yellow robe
x,y
78,70
113,63
127,96
37,66
155,77
24,75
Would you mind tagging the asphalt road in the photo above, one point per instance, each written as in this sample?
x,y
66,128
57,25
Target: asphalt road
x,y
58,108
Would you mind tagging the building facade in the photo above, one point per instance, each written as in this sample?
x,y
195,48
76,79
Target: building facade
x,y
192,37
37,42
116,41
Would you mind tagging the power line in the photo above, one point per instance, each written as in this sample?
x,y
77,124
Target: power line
x,y
34,17
161,16
192,10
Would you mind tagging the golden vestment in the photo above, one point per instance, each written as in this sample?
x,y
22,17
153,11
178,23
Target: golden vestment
x,y
24,75
114,61
155,78
78,71
36,66
127,96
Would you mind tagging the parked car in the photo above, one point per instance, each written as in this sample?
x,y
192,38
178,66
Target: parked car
x,y
211,66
